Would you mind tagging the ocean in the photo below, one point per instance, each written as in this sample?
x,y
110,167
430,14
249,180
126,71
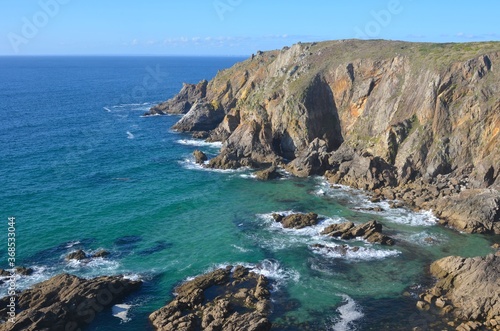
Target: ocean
x,y
81,168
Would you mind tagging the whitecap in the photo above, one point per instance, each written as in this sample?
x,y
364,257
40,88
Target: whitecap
x,y
107,109
130,135
349,313
190,164
361,254
40,274
241,249
199,143
121,311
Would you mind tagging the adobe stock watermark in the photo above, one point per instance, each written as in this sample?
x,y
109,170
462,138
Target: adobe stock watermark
x,y
381,19
223,6
31,26
150,81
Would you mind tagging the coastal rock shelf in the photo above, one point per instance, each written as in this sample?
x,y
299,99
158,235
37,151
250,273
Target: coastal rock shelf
x,y
466,291
65,302
225,299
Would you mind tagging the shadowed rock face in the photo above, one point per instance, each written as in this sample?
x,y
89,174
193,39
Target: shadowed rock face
x,y
65,302
225,299
398,112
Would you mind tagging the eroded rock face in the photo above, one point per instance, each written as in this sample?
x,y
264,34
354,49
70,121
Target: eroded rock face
x,y
225,299
467,289
183,101
66,302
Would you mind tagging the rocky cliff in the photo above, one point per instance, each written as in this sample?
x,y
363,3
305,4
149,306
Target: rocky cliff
x,y
371,114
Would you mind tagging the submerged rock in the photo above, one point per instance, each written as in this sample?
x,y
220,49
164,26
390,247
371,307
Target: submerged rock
x,y
225,299
23,271
81,255
65,302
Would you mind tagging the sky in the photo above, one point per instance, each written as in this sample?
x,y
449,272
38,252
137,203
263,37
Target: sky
x,y
231,27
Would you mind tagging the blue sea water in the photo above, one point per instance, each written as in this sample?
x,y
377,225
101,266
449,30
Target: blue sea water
x,y
81,168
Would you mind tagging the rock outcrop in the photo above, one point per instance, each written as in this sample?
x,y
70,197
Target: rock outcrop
x,y
466,290
370,231
199,156
370,114
225,299
297,221
80,255
183,101
65,302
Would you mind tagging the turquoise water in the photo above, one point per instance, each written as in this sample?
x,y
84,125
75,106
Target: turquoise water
x,y
81,168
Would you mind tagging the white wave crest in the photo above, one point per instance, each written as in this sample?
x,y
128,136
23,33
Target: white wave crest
x,y
349,312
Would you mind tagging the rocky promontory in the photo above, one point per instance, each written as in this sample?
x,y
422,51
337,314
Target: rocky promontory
x,y
230,298
374,114
466,291
65,302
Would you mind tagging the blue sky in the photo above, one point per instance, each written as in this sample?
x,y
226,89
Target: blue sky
x,y
230,27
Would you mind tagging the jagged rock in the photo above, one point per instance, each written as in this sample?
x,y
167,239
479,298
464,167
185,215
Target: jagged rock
x,y
313,160
469,285
242,303
371,231
77,255
101,253
336,230
297,221
17,270
183,101
268,174
199,157
201,117
80,255
65,302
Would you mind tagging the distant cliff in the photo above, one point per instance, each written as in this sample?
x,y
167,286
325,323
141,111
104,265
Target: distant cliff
x,y
370,114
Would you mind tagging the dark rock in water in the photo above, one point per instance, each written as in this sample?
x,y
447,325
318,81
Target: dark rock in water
x,y
101,253
200,134
199,156
80,255
220,300
297,221
127,240
268,174
342,250
23,271
65,302
370,231
77,255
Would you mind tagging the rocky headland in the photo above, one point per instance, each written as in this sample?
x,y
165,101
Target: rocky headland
x,y
418,122
65,302
415,123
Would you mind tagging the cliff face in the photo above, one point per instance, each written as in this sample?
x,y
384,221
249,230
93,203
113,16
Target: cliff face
x,y
417,110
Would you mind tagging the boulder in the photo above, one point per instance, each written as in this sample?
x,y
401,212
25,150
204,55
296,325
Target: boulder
x,y
311,161
23,271
65,302
297,221
242,303
77,255
200,157
268,173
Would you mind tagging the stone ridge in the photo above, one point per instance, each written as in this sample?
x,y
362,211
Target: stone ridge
x,y
371,114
